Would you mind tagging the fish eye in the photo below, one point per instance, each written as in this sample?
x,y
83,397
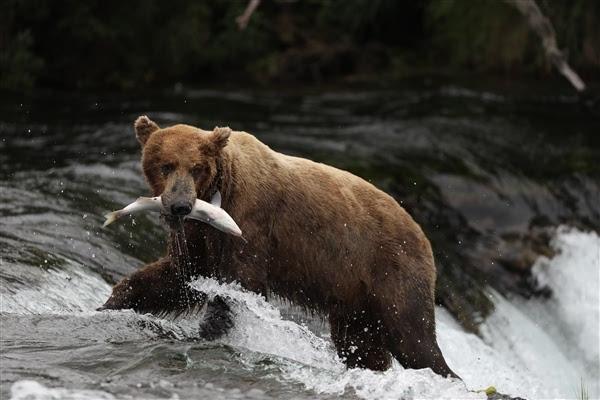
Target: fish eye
x,y
166,169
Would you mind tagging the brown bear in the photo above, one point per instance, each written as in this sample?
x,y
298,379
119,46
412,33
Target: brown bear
x,y
316,235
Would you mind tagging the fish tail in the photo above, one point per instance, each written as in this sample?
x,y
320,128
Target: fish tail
x,y
110,218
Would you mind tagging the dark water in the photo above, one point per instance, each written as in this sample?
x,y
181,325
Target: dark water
x,y
488,174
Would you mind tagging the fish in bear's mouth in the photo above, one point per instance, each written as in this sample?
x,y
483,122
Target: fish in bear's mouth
x,y
210,213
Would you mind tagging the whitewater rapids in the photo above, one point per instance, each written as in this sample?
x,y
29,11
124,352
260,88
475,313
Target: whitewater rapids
x,y
537,348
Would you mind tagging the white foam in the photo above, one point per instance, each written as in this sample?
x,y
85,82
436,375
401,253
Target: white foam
x,y
73,288
570,318
480,364
311,360
574,277
260,327
517,353
536,348
32,390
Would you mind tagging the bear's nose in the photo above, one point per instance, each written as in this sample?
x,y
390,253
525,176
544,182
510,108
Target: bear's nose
x,y
181,208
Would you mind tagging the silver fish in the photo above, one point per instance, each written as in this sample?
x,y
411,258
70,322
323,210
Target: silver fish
x,y
214,215
141,204
210,213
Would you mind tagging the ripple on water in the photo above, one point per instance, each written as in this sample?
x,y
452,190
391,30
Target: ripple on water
x,y
439,151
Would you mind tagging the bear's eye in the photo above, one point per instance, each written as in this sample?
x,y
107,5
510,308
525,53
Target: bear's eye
x,y
166,169
198,171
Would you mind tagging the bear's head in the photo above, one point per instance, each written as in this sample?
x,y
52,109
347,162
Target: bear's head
x,y
180,162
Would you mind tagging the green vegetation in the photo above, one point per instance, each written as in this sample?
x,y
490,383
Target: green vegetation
x,y
490,391
583,393
489,35
114,44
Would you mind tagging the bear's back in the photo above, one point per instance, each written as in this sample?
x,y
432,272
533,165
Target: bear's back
x,y
327,201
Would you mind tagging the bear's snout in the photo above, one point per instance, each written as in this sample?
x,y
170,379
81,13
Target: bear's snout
x,y
181,208
179,195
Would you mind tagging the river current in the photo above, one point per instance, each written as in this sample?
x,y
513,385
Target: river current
x,y
480,170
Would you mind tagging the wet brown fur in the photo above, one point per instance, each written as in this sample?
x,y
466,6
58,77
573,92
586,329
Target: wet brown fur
x,y
317,236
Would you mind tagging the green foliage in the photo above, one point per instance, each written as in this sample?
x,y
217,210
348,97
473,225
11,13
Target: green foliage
x,y
577,25
128,44
485,34
492,35
389,22
124,44
18,64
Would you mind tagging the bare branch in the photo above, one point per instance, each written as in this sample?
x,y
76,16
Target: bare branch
x,y
542,26
243,19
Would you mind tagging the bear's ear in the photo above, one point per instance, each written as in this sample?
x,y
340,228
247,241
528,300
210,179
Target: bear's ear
x,y
144,127
218,139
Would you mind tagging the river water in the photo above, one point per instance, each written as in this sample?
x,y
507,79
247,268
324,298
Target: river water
x,y
484,172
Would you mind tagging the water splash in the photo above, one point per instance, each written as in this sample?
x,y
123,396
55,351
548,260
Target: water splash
x,y
32,390
525,349
520,353
184,262
571,316
305,357
69,289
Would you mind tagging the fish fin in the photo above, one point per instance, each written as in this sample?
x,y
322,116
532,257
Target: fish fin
x,y
110,218
216,199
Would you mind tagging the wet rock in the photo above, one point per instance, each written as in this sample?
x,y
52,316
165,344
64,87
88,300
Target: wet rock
x,y
499,396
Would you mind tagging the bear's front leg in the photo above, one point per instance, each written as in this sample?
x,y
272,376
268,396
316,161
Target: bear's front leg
x,y
157,288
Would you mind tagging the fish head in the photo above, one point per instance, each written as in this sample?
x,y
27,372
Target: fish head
x,y
180,163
